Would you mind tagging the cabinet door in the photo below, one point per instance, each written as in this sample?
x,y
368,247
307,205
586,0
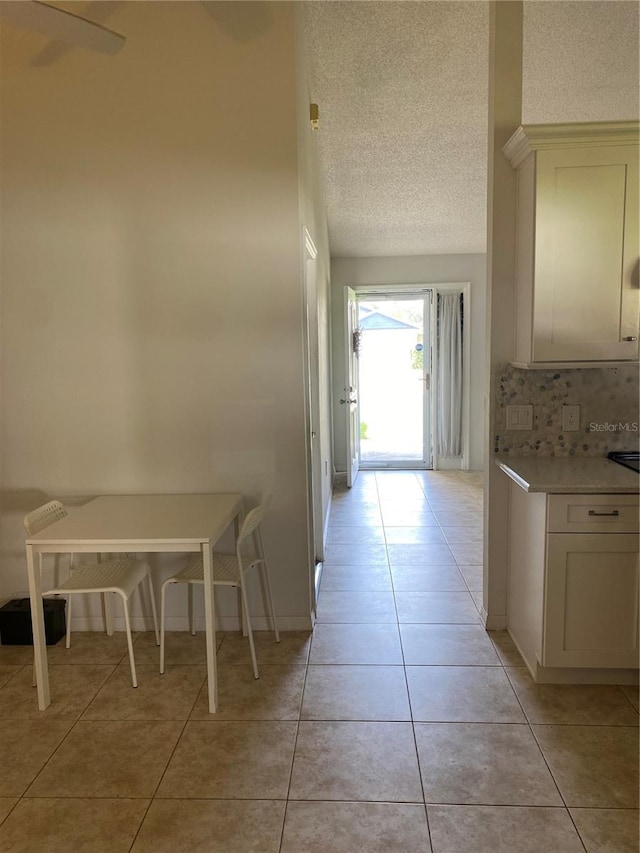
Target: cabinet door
x,y
591,600
586,254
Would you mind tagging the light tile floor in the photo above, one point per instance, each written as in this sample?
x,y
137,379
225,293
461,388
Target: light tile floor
x,y
400,727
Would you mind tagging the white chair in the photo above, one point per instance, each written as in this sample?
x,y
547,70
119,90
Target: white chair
x,y
120,576
229,570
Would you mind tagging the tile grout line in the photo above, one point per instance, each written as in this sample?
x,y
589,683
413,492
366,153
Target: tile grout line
x,y
546,763
287,799
413,727
526,720
503,663
152,799
74,724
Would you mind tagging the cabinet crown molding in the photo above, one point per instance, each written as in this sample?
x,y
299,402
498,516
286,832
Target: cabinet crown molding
x,y
535,137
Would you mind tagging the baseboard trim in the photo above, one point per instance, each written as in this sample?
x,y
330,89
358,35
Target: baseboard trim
x,y
574,675
495,622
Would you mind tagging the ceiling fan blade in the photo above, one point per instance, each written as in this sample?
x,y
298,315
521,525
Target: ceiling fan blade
x,y
59,24
243,21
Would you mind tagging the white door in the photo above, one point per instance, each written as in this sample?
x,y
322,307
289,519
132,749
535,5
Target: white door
x,y
350,399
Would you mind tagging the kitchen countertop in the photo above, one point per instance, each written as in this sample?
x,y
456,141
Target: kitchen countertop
x,y
569,475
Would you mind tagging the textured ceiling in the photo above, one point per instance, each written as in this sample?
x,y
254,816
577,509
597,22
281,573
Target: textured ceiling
x,y
580,61
402,89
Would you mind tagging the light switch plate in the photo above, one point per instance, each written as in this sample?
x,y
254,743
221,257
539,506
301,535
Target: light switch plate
x,y
519,417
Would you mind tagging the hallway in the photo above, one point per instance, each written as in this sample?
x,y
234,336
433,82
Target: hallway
x,y
503,765
401,726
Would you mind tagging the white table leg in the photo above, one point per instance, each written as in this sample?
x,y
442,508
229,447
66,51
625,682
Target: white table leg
x,y
37,624
210,627
107,613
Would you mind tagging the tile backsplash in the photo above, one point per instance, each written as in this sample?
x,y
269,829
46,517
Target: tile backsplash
x,y
609,418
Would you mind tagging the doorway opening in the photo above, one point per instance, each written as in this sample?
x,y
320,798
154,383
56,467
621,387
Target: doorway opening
x,y
394,379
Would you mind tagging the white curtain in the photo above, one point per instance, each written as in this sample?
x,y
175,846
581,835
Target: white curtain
x,y
449,391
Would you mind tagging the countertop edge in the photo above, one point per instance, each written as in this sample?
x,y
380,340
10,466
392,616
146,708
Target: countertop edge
x,y
510,467
503,466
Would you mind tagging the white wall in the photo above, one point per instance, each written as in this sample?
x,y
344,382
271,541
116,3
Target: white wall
x,y
151,293
312,214
424,269
505,110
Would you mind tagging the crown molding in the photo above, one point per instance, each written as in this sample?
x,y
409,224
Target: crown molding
x,y
529,138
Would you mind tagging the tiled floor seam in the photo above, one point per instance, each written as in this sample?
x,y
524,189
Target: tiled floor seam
x,y
626,697
544,758
11,810
505,662
575,826
153,797
295,746
506,676
406,681
415,743
162,775
67,735
529,724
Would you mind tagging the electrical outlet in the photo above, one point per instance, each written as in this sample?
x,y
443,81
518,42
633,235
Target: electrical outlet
x,y
570,418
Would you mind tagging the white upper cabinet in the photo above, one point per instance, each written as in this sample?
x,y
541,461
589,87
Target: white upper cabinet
x,y
577,296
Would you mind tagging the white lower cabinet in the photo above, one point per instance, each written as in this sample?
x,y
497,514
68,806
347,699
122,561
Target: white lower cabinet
x,y
591,600
573,594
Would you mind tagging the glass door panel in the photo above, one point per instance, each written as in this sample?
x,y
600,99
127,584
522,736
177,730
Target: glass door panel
x,y
393,368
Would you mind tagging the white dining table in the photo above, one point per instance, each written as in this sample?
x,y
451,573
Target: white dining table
x,y
134,524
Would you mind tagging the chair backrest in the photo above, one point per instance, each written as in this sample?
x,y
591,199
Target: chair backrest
x,y
38,519
253,519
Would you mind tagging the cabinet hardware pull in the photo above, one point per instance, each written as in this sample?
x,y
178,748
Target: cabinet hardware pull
x,y
613,512
630,338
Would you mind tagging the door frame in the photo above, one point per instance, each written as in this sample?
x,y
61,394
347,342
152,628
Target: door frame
x,y
351,400
463,287
315,515
427,294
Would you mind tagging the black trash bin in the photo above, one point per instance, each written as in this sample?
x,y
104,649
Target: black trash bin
x,y
15,621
